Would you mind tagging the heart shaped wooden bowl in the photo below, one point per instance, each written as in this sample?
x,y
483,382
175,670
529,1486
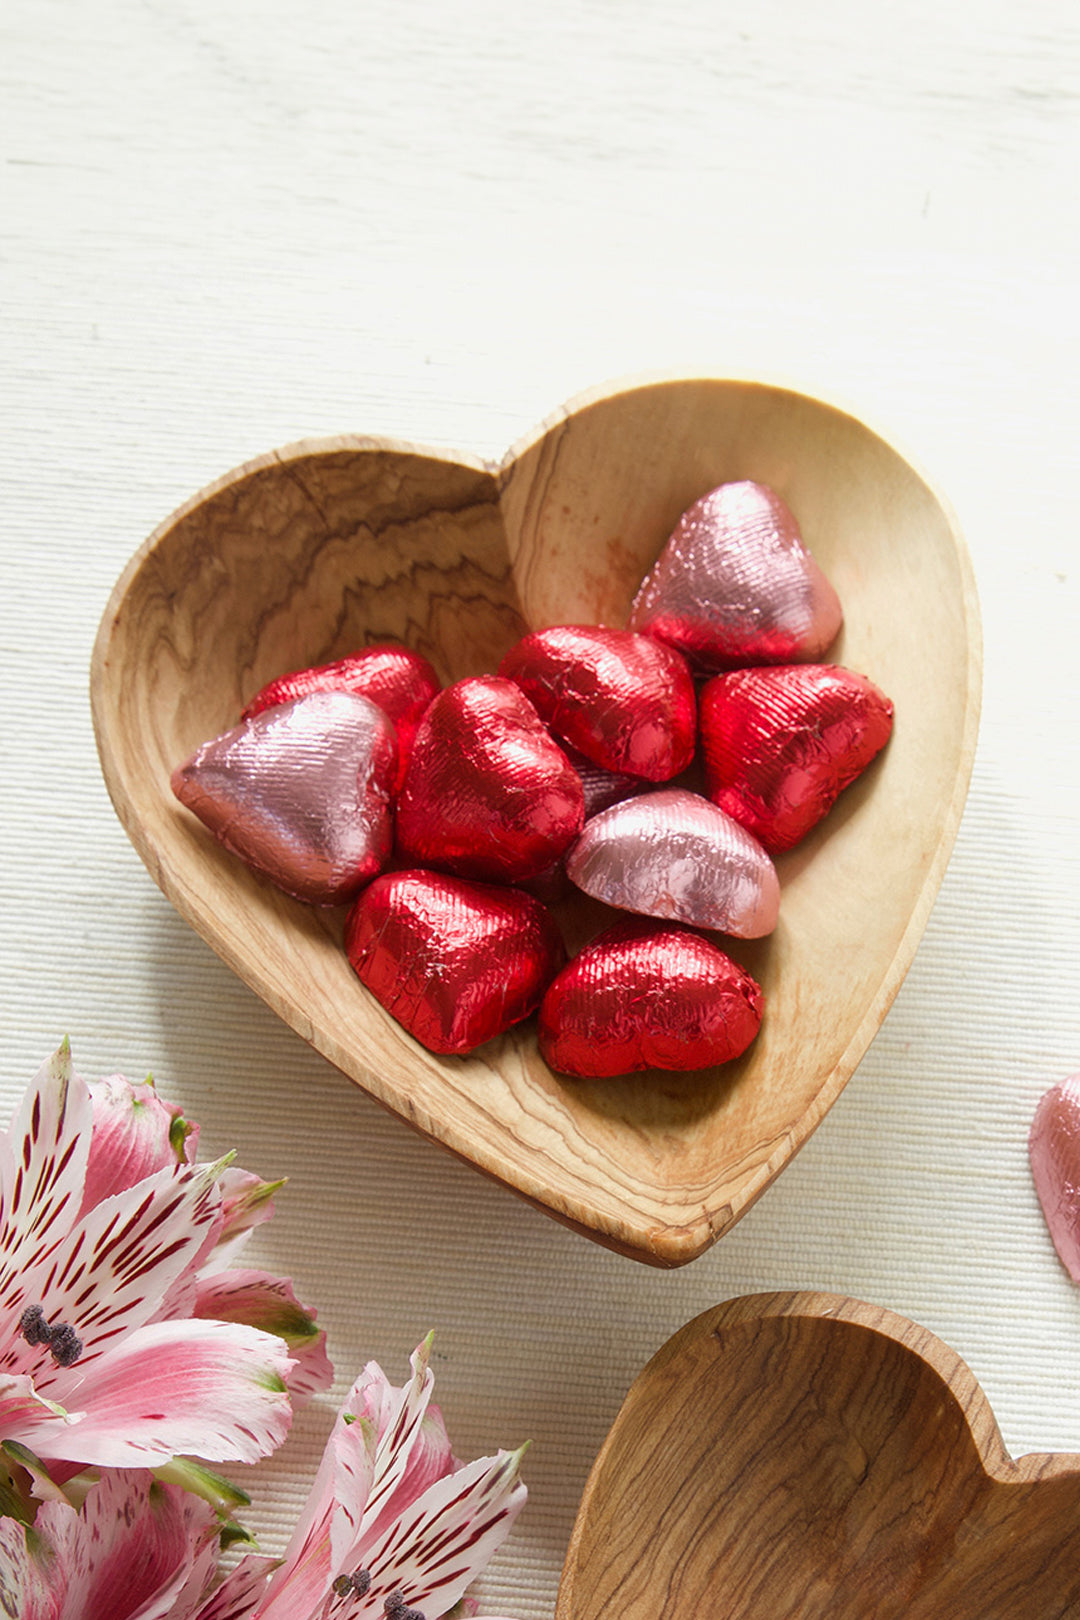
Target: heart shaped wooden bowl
x,y
795,1456
311,552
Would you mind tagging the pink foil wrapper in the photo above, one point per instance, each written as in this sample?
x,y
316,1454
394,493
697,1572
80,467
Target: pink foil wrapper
x,y
301,793
673,854
1054,1152
735,585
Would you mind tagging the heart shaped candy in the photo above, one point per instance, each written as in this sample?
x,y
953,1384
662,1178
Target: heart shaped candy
x,y
648,995
782,742
673,854
402,682
455,962
735,585
1054,1152
308,552
624,701
487,792
301,793
809,1457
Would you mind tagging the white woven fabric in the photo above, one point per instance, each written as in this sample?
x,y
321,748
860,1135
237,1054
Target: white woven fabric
x,y
225,227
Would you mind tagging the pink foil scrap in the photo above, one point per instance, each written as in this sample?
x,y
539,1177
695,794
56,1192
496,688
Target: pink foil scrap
x,y
301,793
735,585
673,854
1054,1151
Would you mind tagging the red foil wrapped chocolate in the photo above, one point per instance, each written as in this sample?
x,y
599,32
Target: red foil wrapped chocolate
x,y
648,996
735,585
455,962
400,681
488,793
782,743
301,793
624,701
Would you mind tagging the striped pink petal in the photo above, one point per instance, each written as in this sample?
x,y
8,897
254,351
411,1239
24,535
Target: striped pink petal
x,y
261,1300
135,1134
235,1598
32,1585
209,1389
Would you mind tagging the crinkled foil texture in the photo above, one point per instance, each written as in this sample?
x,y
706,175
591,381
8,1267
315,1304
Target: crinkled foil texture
x,y
648,995
781,743
1054,1152
673,854
455,962
301,793
735,585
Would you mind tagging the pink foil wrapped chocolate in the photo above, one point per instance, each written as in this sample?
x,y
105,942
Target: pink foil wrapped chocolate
x,y
624,701
455,962
735,585
783,741
648,995
402,682
488,793
672,854
1054,1154
301,793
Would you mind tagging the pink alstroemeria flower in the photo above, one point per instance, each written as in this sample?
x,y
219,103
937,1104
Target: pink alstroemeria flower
x,y
395,1528
122,1342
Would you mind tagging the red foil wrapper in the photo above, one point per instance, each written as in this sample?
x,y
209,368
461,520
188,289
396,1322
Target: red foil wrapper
x,y
455,962
301,793
735,585
624,701
1054,1151
672,854
782,743
488,794
648,996
400,681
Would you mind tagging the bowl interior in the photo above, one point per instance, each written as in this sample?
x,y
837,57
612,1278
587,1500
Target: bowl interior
x,y
795,1456
312,552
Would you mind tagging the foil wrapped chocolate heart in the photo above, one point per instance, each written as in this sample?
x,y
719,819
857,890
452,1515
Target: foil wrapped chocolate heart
x,y
624,701
782,742
673,854
1054,1153
455,962
647,995
301,793
488,794
735,585
402,682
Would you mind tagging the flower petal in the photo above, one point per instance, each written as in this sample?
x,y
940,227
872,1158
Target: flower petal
x,y
42,1170
110,1273
135,1134
32,1582
246,1201
131,1548
214,1389
238,1595
446,1537
261,1300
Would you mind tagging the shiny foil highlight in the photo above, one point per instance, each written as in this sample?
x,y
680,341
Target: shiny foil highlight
x,y
624,701
1054,1154
735,585
454,962
781,743
648,996
301,793
488,793
401,682
672,854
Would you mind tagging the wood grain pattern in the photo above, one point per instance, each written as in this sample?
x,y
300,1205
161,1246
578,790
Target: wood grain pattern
x,y
308,553
790,1456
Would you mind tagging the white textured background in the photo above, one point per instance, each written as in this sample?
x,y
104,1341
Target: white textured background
x,y
224,226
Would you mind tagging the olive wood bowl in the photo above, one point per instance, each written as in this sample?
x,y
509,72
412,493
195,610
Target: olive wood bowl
x,y
311,552
802,1456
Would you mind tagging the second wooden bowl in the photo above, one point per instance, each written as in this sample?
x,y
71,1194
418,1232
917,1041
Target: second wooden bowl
x,y
311,552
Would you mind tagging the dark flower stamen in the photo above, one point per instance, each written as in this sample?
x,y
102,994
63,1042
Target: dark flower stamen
x,y
395,1608
64,1343
355,1584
